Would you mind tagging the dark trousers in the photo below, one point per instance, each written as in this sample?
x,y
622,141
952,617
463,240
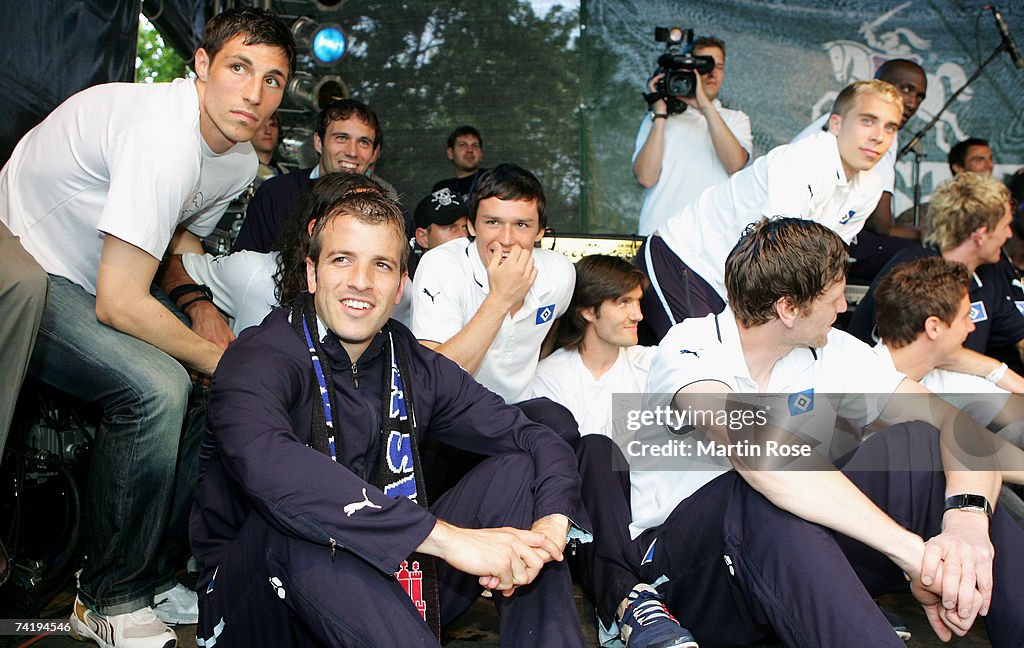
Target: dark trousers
x,y
602,566
739,568
275,590
676,291
444,466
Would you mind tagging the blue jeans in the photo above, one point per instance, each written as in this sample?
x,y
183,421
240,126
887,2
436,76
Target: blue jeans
x,y
133,474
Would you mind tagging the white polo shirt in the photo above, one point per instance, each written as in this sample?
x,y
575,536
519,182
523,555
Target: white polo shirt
x,y
802,180
977,397
702,350
451,284
689,164
885,168
564,378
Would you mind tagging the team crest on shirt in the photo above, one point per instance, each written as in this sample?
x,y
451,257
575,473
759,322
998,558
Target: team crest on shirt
x,y
545,313
1020,306
192,205
846,219
801,402
978,312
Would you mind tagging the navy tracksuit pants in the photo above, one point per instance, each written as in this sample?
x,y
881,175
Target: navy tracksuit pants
x,y
275,590
676,291
739,568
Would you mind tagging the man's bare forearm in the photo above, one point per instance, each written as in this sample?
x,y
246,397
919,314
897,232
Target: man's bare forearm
x,y
468,347
647,166
728,149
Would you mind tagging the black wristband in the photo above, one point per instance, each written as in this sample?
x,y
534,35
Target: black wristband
x,y
194,300
969,502
184,289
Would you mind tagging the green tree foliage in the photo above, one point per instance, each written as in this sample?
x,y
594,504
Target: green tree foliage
x,y
427,67
155,61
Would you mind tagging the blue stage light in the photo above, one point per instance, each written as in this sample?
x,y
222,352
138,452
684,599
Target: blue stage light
x,y
329,44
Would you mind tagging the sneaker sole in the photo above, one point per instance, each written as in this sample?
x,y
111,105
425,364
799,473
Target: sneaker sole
x,y
177,621
82,632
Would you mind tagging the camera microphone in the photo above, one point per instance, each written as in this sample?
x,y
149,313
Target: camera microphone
x,y
1008,42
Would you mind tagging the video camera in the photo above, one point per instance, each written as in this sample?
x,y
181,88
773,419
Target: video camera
x,y
680,67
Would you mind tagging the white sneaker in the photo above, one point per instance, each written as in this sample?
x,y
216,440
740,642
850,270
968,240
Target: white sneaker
x,y
138,629
176,606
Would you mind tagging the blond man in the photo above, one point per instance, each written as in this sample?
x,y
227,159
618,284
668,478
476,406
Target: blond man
x,y
826,178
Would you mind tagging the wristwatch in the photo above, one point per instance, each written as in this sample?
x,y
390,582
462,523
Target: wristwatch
x,y
969,502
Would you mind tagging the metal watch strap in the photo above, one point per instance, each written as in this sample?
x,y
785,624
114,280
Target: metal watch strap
x,y
970,502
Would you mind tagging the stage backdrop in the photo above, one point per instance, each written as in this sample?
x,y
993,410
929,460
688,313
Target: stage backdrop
x,y
555,86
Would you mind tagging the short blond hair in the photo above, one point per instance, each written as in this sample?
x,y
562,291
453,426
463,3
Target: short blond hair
x,y
962,206
881,89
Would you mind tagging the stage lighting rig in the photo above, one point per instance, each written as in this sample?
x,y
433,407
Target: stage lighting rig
x,y
325,41
314,93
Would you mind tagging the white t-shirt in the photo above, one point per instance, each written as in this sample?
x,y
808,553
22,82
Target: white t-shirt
x,y
451,284
802,180
885,168
242,283
689,164
564,378
124,159
807,392
979,398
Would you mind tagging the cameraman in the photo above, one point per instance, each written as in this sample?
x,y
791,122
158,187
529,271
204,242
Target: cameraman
x,y
677,156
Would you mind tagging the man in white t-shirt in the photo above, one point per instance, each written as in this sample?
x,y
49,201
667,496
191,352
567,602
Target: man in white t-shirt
x,y
679,155
488,302
880,239
115,177
826,178
597,353
597,362
924,316
785,540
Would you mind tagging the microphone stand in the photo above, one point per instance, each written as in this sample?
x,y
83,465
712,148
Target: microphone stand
x,y
913,144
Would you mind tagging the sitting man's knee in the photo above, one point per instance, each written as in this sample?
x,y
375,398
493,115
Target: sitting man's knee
x,y
28,287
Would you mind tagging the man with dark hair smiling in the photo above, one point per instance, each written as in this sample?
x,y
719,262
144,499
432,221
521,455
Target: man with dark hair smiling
x,y
330,540
597,352
98,208
488,302
348,138
750,538
924,315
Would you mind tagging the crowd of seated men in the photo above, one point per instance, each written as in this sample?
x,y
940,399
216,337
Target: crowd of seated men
x,y
363,417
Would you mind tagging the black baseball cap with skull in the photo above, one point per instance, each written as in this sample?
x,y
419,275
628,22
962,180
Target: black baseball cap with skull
x,y
442,207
